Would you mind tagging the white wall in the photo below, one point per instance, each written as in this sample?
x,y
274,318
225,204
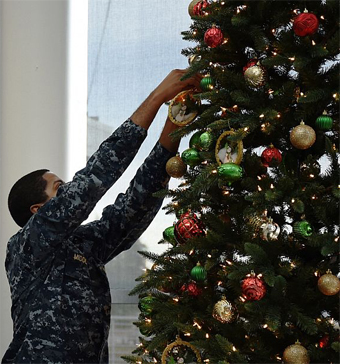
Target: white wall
x,y
43,91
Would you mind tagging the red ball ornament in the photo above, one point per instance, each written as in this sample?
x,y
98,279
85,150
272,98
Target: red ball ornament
x,y
187,227
213,37
253,288
198,9
192,289
271,157
323,342
305,24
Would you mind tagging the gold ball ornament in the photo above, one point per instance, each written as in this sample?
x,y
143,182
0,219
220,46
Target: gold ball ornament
x,y
255,75
296,354
329,284
302,136
175,167
224,311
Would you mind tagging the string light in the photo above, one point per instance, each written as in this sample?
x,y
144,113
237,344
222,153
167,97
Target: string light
x,y
197,324
336,239
187,334
176,299
292,59
322,17
313,43
214,171
207,337
259,188
261,116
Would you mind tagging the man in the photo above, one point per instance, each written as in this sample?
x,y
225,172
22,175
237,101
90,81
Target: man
x,y
55,266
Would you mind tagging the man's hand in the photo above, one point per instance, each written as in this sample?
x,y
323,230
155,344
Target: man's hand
x,y
165,91
172,85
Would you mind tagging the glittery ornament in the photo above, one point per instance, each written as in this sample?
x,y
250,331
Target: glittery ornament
x,y
196,7
302,136
270,230
305,24
254,74
253,288
207,83
213,37
303,229
296,354
230,172
175,167
271,157
324,122
224,311
191,157
198,273
329,284
187,227
169,235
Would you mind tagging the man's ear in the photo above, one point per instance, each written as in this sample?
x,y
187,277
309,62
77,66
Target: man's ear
x,y
34,208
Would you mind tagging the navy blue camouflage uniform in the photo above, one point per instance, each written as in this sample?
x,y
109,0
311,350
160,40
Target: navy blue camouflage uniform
x,y
55,265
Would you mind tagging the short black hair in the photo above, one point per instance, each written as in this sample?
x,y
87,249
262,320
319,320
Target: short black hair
x,y
27,191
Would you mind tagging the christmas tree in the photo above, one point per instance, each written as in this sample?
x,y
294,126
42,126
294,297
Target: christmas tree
x,y
249,273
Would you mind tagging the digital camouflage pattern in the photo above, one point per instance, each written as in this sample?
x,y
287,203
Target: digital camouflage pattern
x,y
55,266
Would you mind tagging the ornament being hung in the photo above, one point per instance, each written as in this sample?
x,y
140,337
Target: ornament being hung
x,y
271,157
191,157
213,37
187,227
169,235
224,311
183,108
175,167
302,136
329,284
296,354
270,230
198,273
303,229
253,288
305,24
324,122
196,7
180,352
254,74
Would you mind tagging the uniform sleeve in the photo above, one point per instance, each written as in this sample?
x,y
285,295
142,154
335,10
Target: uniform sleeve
x,y
75,200
123,222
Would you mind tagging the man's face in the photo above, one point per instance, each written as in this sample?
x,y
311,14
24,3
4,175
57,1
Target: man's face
x,y
53,183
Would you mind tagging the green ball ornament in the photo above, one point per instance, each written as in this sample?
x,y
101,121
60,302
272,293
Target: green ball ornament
x,y
324,122
230,172
207,83
303,229
198,273
191,157
194,141
169,235
206,140
145,305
